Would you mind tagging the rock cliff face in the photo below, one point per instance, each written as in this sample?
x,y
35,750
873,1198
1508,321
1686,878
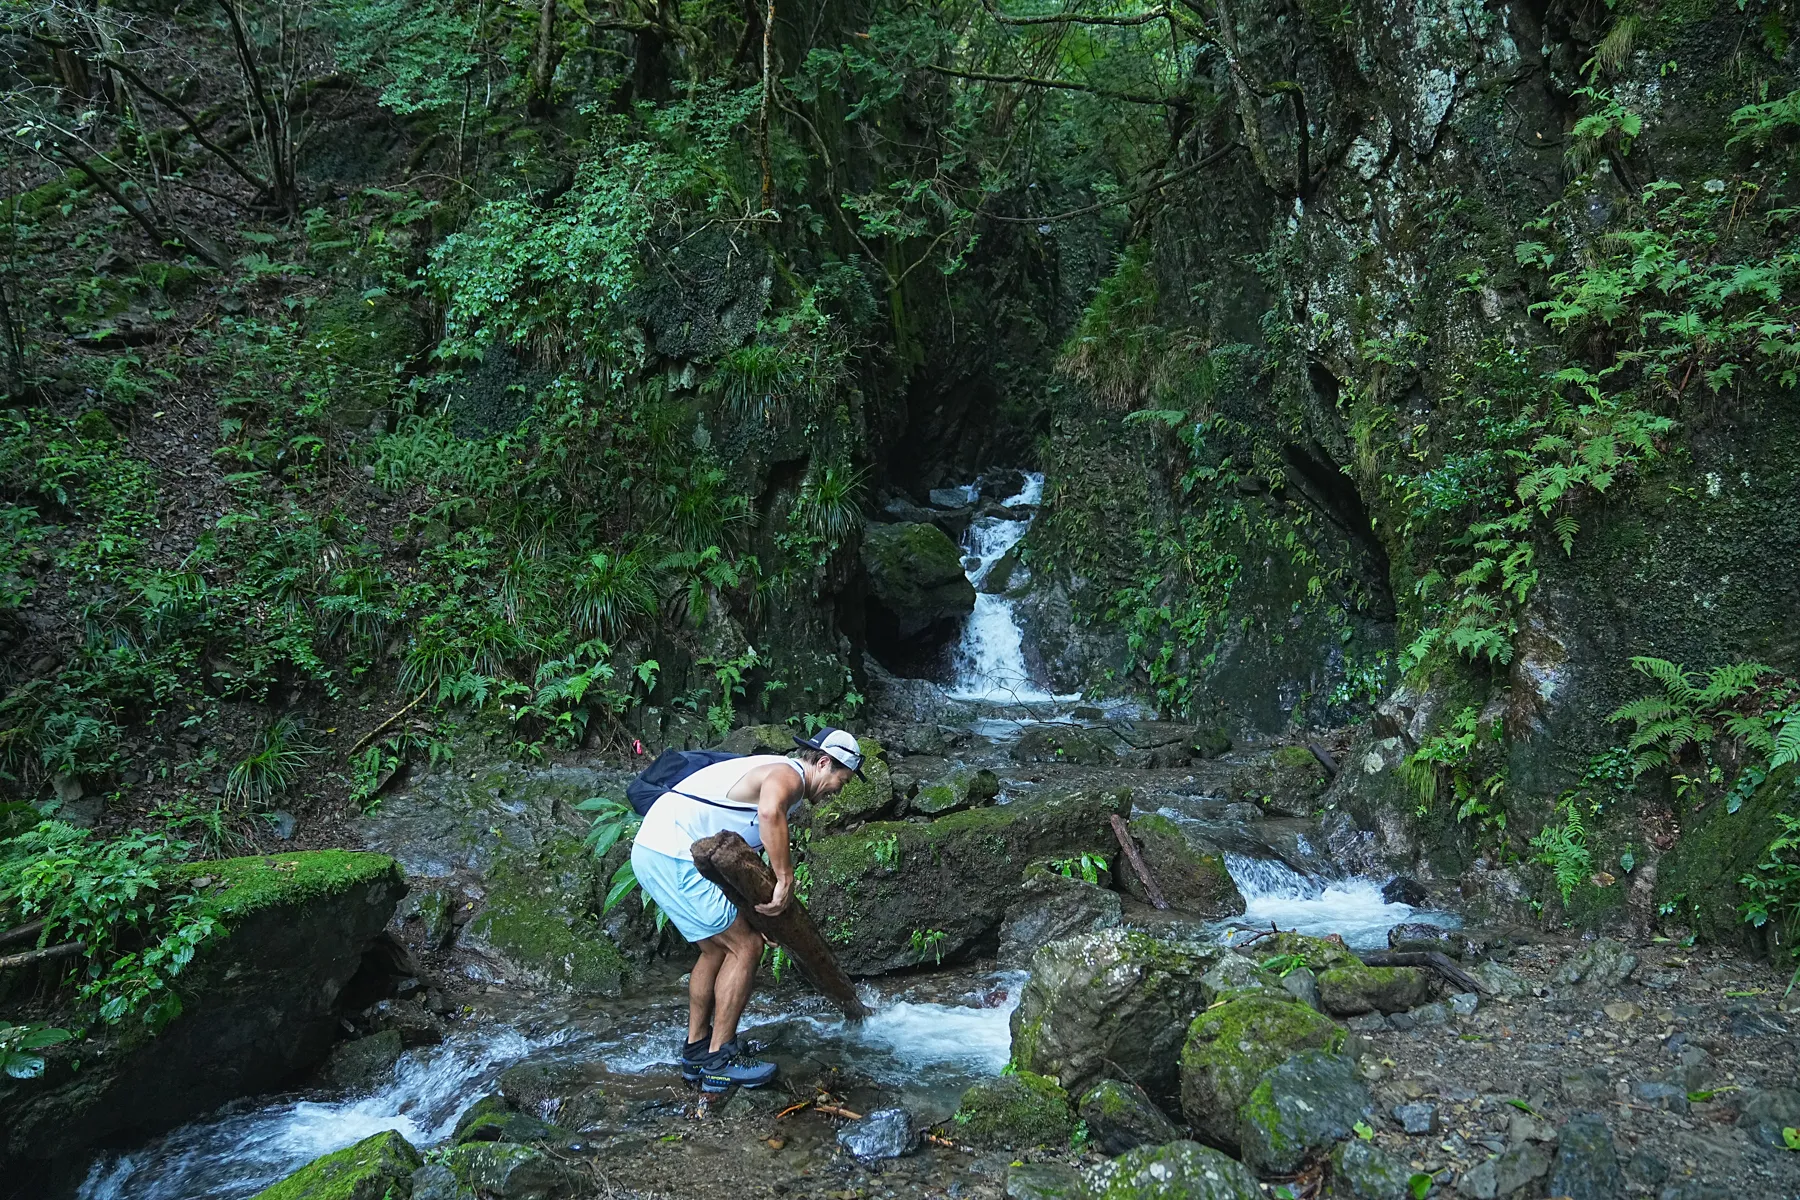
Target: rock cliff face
x,y
260,1007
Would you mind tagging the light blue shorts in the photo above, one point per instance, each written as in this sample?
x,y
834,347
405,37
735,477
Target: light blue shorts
x,y
694,902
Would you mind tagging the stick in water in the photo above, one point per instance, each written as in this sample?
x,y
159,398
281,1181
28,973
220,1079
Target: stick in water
x,y
727,860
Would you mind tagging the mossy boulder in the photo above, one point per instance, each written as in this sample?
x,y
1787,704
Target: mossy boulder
x,y
1108,1003
1176,1171
1050,906
916,581
260,1006
1064,744
539,917
1347,991
492,1119
1228,1049
1361,1170
376,1168
1120,1117
1287,781
1015,1111
862,799
512,1172
1192,877
875,887
363,1062
962,790
1319,954
1299,1108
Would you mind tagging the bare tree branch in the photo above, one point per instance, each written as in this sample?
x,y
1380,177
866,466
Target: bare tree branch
x,y
1073,18
1064,84
1127,198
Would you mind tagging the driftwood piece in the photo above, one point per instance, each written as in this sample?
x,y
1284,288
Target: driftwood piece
x,y
1435,959
1137,861
727,860
36,956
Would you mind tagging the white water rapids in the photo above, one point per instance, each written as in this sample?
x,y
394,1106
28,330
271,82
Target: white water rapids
x,y
990,658
1351,908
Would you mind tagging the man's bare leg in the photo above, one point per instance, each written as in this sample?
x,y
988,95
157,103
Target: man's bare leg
x,y
701,989
740,947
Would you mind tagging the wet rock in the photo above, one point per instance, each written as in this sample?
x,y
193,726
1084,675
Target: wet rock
x,y
1110,1003
1287,781
1587,1165
1361,1170
541,1086
873,888
1428,1015
1585,1085
1464,1004
1749,1022
373,1169
432,908
1346,991
1299,1108
1121,1117
962,790
1043,1181
947,498
1052,906
1177,1171
1231,1046
435,1181
1191,878
1063,744
1404,889
1502,982
916,581
511,1172
1605,964
1421,936
1368,1023
536,921
885,1133
1401,1021
1237,973
364,1062
1506,1175
1766,1113
1302,985
1418,1118
1015,1111
491,1119
416,1024
1657,1094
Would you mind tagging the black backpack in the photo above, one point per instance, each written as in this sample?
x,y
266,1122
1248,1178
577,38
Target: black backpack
x,y
668,769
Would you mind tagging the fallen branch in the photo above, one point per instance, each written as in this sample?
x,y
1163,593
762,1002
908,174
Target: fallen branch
x,y
1325,760
1435,959
1137,861
30,957
728,861
791,1109
383,727
21,933
832,1110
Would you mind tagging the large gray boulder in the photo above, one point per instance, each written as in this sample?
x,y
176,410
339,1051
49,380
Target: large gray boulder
x,y
1110,1002
259,1008
916,580
1052,906
1230,1048
878,886
1177,1171
1305,1105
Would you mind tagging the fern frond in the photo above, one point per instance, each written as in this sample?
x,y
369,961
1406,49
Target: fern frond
x,y
1643,710
1730,682
1675,679
1787,742
1754,731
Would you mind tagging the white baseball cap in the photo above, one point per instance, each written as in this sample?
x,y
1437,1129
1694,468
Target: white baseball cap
x,y
841,746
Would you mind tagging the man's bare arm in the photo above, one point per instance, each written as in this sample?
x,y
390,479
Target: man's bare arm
x,y
778,792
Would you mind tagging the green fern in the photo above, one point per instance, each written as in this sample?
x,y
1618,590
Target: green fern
x,y
1564,849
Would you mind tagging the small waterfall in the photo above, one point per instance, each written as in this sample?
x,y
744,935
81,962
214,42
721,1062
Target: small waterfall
x,y
990,658
1351,908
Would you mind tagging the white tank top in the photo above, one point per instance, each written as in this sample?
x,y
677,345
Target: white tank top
x,y
675,822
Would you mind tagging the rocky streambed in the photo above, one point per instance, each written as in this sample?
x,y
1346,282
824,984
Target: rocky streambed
x,y
1040,1028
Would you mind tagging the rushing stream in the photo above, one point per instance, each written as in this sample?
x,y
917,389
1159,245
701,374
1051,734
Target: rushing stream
x,y
929,1038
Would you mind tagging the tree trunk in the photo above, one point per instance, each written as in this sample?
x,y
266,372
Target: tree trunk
x,y
543,61
727,860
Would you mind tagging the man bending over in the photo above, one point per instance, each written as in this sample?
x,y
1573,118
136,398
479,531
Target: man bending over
x,y
753,797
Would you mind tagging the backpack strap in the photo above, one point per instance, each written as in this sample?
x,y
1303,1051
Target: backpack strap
x,y
734,807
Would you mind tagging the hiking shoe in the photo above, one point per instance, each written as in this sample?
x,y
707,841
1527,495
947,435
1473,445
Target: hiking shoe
x,y
730,1066
693,1057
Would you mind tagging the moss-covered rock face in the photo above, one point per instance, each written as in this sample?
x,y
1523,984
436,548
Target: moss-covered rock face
x,y
1319,954
1192,878
537,916
961,790
1288,781
1229,1048
1361,1170
916,583
1064,744
874,888
259,1007
1698,879
1110,1002
514,1171
376,1168
862,799
1177,1171
1299,1108
1015,1111
1349,990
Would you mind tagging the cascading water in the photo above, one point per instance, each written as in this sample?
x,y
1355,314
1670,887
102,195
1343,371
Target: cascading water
x,y
990,658
1352,908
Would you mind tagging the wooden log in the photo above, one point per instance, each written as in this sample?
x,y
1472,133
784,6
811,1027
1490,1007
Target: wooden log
x,y
727,860
37,956
1137,861
1437,960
